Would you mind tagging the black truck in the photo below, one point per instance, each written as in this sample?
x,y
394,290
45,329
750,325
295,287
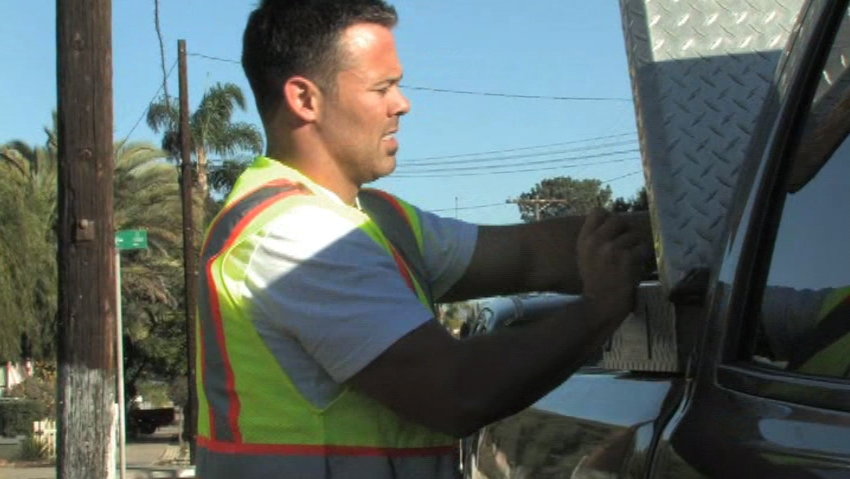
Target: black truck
x,y
147,421
736,362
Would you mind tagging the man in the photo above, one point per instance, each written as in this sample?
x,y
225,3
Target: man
x,y
319,355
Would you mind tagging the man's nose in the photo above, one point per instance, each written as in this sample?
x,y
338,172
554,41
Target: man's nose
x,y
402,104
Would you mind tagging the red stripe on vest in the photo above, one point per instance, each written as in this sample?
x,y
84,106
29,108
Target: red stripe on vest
x,y
215,307
219,334
322,450
400,263
199,333
281,182
403,269
394,202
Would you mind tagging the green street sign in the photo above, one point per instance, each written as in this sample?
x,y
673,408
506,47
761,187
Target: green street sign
x,y
131,239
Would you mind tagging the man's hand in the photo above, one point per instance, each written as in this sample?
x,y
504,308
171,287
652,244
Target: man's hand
x,y
611,257
433,379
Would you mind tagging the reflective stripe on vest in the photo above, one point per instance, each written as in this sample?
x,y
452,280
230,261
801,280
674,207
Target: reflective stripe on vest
x,y
249,407
400,224
235,218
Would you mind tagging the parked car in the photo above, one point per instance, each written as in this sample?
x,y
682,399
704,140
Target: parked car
x,y
737,362
147,421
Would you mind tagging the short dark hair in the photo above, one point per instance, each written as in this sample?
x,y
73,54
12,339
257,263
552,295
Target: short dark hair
x,y
284,38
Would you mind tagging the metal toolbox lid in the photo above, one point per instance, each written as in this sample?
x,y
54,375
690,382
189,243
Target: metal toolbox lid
x,y
700,71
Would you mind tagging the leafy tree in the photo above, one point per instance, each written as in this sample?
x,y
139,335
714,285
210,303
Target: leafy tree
x,y
224,175
147,197
40,387
639,202
213,130
562,196
28,290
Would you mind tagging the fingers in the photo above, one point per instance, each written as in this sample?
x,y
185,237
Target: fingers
x,y
591,223
612,255
601,227
627,240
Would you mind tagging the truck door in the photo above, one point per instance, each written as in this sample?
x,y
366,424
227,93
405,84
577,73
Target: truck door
x,y
769,395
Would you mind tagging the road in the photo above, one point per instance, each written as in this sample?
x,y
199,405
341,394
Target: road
x,y
153,456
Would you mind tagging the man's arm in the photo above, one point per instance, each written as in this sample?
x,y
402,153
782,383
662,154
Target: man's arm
x,y
537,256
457,386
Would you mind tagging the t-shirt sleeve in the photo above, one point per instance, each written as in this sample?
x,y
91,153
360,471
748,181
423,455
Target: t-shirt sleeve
x,y
319,278
448,248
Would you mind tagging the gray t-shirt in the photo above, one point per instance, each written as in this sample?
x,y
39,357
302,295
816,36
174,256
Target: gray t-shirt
x,y
328,299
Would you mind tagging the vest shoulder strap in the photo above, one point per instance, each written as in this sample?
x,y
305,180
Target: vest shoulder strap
x,y
386,211
233,214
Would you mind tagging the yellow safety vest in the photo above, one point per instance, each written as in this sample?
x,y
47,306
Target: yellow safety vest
x,y
252,420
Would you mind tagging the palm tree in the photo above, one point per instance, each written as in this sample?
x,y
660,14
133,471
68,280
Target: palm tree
x,y
213,130
28,212
147,197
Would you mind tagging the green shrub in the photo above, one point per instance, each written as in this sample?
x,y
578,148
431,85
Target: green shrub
x,y
40,388
33,449
154,392
17,416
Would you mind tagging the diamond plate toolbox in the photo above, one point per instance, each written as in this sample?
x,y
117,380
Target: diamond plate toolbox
x,y
646,341
700,71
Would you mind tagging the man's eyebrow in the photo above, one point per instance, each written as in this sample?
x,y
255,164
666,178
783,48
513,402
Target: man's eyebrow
x,y
390,80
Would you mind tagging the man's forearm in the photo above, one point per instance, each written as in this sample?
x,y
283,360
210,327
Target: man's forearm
x,y
534,357
521,258
458,386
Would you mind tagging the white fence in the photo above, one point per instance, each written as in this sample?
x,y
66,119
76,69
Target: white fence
x,y
45,433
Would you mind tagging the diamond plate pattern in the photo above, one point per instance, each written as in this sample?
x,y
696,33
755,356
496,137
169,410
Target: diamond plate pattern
x,y
646,341
700,73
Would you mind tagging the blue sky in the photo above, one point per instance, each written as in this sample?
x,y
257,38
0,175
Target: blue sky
x,y
546,48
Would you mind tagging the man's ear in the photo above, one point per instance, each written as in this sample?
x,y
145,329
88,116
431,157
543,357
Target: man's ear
x,y
302,97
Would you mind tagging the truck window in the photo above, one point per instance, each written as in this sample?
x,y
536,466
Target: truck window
x,y
804,319
805,311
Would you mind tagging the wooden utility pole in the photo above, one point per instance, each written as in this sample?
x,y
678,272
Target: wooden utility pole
x,y
190,270
87,309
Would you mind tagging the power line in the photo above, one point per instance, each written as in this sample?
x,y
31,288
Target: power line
x,y
508,203
509,150
405,163
513,95
481,172
461,208
217,59
622,176
521,156
463,92
479,169
149,103
161,50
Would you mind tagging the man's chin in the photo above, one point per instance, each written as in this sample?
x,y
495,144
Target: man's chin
x,y
384,171
389,164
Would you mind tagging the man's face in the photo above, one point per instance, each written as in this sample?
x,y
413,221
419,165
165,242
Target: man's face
x,y
360,119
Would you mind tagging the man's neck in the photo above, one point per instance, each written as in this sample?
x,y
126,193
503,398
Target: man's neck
x,y
321,171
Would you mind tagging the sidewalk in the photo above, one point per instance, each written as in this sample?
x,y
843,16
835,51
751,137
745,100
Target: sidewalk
x,y
154,456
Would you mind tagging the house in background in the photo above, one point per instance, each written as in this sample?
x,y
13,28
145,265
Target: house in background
x,y
12,373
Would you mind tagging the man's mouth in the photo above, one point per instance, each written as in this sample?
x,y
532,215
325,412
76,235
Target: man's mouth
x,y
390,135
